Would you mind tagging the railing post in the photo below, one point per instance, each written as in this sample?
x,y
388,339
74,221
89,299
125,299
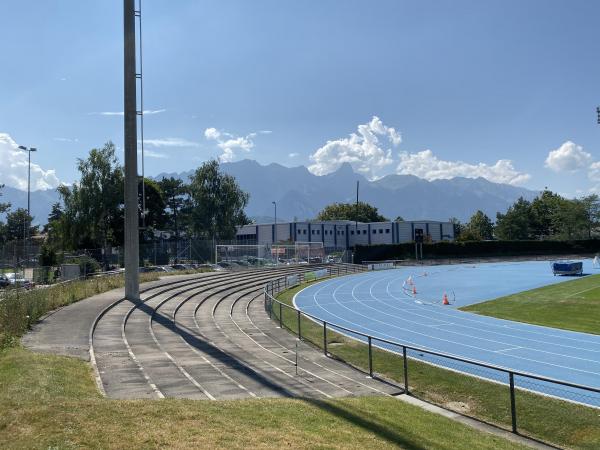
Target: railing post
x,y
271,308
325,338
405,362
280,316
370,358
299,331
513,406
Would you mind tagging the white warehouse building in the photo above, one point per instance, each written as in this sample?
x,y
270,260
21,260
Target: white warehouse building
x,y
344,234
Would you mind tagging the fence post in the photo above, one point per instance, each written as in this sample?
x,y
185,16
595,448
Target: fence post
x,y
370,358
270,308
513,406
299,331
405,362
280,316
325,338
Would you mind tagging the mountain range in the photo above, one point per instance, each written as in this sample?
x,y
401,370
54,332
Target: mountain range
x,y
301,195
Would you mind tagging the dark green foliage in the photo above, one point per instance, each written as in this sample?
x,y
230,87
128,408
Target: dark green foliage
x,y
17,222
217,202
363,212
476,249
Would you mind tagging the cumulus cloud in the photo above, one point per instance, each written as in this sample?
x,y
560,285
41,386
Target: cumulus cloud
x,y
13,170
594,172
426,165
363,150
230,144
569,157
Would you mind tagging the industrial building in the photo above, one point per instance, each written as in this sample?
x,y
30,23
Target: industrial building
x,y
344,234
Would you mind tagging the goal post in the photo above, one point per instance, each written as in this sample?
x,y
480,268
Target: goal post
x,y
234,255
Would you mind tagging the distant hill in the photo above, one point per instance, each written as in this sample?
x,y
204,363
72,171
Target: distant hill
x,y
300,194
41,202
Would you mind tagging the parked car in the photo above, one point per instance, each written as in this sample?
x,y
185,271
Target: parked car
x,y
4,282
18,280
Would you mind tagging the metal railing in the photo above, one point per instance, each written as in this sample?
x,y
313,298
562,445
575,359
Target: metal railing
x,y
549,387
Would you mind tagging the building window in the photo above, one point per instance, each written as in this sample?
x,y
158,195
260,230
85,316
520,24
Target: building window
x,y
303,231
381,231
352,232
364,231
387,231
318,231
374,231
312,231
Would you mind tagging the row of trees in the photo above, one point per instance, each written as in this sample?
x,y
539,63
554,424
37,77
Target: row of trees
x,y
91,212
548,216
17,224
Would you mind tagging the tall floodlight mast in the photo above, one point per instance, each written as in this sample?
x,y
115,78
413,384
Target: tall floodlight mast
x,y
132,287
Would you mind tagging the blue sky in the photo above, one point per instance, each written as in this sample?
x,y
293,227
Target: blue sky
x,y
432,88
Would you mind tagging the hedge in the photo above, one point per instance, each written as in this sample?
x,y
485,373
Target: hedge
x,y
475,249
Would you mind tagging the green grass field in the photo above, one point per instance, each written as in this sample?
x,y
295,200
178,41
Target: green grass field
x,y
52,402
572,305
561,423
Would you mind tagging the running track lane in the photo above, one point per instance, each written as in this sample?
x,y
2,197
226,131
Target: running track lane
x,y
381,304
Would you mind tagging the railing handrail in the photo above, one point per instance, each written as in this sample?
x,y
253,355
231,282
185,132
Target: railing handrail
x,y
434,352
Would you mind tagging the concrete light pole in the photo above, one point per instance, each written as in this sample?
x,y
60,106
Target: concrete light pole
x,y
275,235
25,225
132,288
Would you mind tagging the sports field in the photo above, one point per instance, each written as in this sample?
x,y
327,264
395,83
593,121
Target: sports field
x,y
384,305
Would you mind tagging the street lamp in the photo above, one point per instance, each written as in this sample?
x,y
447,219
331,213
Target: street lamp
x,y
25,227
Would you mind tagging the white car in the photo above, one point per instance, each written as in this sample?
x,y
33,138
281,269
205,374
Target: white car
x,y
18,280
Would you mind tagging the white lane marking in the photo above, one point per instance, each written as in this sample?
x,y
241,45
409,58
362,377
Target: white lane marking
x,y
375,332
507,349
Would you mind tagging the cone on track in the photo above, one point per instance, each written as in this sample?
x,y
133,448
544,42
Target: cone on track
x,y
445,299
414,290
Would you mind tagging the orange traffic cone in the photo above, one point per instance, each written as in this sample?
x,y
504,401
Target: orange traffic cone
x,y
445,299
414,290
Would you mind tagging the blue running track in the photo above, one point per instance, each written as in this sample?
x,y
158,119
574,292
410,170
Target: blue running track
x,y
382,304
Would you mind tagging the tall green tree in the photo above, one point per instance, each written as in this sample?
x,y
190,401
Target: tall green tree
x,y
175,192
18,223
480,227
93,207
154,216
591,207
516,223
543,211
217,202
363,212
3,208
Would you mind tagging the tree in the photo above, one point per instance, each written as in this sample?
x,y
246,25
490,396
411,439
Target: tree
x,y
155,216
480,227
591,207
217,202
543,211
3,206
17,222
93,213
174,191
570,220
399,219
363,212
515,224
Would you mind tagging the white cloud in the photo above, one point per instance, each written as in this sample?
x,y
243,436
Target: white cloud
x,y
153,154
230,143
362,150
426,165
13,170
64,139
293,155
170,142
569,157
147,112
594,172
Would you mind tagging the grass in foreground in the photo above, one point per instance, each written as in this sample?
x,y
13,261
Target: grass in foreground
x,y
51,402
572,305
562,423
